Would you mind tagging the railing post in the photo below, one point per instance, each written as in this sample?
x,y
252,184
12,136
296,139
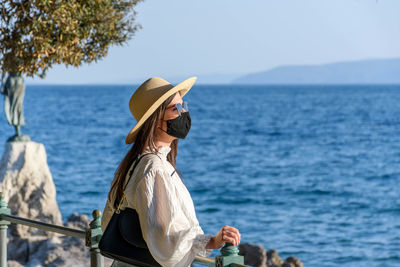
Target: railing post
x,y
93,235
229,255
3,231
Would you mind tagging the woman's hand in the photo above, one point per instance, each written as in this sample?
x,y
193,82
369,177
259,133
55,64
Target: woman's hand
x,y
226,234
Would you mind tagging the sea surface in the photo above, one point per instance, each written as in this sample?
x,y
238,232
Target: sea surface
x,y
311,171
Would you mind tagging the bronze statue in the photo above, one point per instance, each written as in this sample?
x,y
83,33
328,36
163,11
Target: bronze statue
x,y
13,89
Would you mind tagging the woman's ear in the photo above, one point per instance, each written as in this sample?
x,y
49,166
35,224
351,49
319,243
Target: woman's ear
x,y
159,123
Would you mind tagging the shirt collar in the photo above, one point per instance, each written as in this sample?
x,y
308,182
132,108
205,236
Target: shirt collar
x,y
162,150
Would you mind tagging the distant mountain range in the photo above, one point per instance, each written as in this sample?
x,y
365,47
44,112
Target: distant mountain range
x,y
376,71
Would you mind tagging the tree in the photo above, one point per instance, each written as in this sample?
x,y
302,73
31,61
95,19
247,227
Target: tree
x,y
35,34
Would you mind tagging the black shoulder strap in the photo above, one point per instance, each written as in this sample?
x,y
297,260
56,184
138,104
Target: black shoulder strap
x,y
136,162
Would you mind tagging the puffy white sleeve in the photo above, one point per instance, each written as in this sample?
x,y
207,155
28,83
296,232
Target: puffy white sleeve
x,y
173,239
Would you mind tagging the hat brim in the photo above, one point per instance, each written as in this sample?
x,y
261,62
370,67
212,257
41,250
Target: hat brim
x,y
182,87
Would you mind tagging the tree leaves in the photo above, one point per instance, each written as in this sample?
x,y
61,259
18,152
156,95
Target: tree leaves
x,y
35,34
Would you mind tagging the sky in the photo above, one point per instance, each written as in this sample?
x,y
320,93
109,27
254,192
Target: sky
x,y
218,40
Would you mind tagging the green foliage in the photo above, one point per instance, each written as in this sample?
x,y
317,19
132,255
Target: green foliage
x,y
35,34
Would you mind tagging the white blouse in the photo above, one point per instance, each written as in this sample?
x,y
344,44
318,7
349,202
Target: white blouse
x,y
166,211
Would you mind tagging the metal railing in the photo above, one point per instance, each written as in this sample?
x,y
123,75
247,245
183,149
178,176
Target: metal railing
x,y
229,253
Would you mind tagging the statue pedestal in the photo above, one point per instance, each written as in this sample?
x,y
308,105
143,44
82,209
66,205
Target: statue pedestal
x,y
28,187
19,138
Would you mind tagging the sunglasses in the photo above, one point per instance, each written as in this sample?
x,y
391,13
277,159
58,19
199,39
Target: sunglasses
x,y
180,107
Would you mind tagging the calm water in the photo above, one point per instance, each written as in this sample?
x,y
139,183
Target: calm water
x,y
311,171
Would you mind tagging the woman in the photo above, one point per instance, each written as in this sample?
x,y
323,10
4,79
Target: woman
x,y
155,190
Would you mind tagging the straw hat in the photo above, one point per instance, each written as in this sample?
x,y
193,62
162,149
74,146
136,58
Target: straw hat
x,y
149,96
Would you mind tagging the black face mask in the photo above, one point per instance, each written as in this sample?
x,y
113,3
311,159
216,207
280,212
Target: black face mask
x,y
180,126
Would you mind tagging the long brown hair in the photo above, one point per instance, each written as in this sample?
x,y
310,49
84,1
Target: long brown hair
x,y
145,138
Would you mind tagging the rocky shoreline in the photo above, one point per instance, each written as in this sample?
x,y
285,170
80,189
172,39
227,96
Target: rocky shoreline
x,y
63,251
57,250
30,192
257,255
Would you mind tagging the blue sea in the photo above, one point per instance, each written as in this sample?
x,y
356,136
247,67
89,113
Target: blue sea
x,y
311,171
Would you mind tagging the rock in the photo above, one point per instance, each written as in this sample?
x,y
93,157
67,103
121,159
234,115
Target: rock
x,y
61,251
14,264
18,249
29,190
273,259
78,221
254,255
57,251
292,262
28,187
